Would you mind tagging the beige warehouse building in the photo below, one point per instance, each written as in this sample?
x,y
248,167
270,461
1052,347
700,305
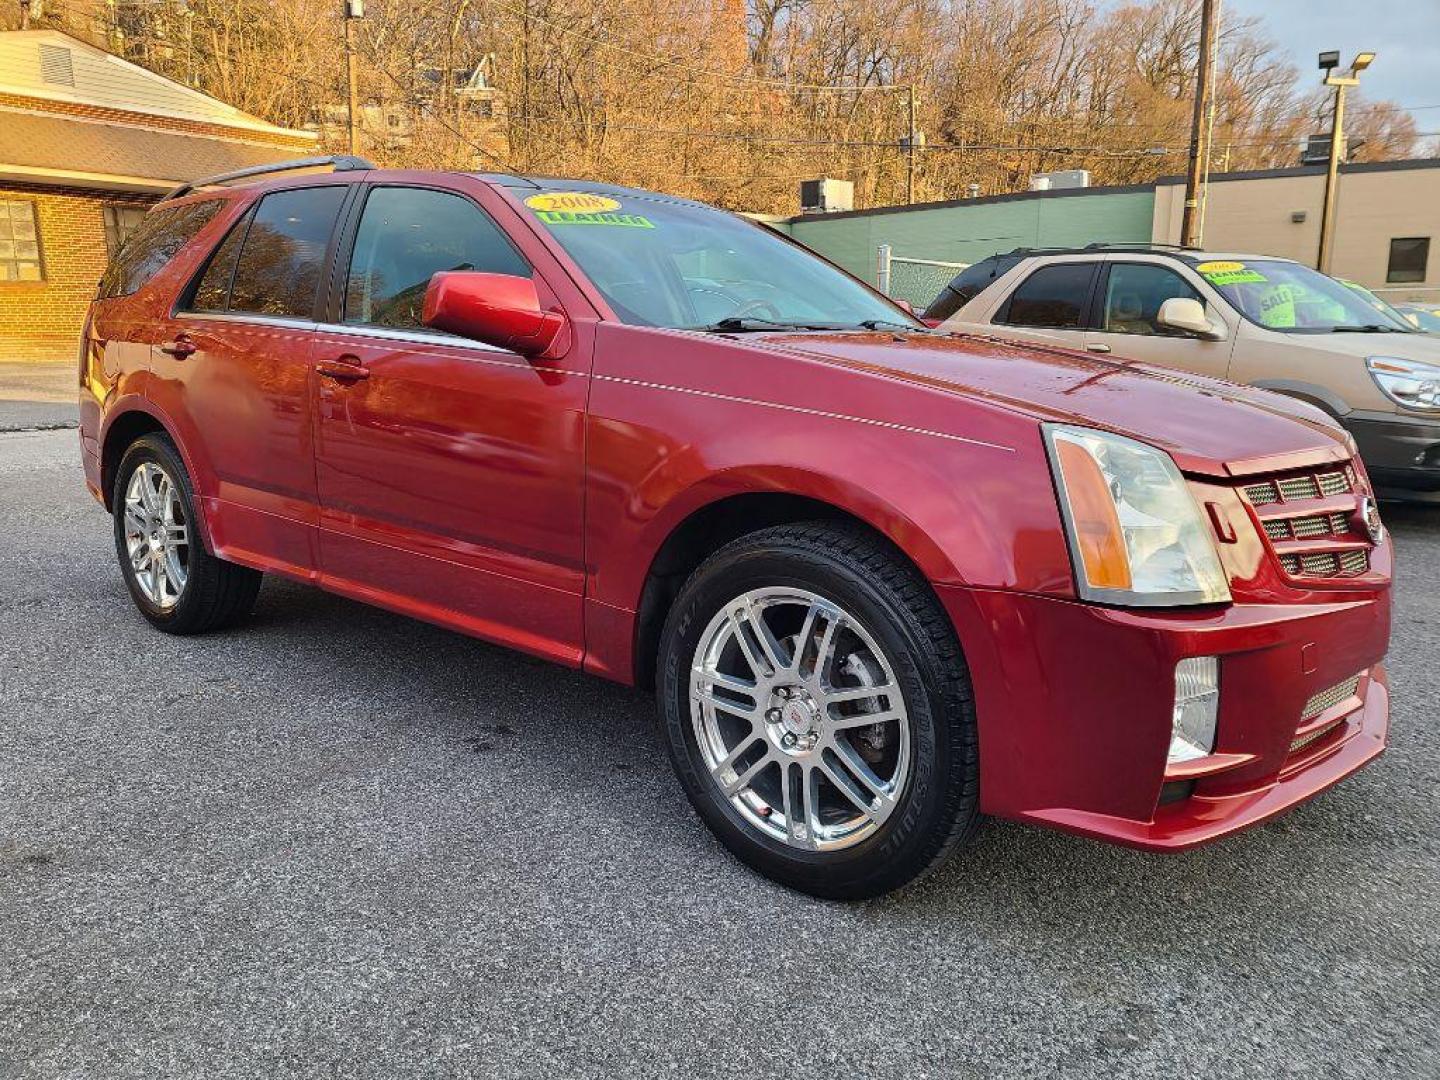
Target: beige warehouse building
x,y
1387,218
1387,234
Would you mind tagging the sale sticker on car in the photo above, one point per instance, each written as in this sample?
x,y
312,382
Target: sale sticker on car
x,y
1228,273
583,208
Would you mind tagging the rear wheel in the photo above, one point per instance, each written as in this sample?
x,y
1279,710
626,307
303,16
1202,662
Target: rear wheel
x,y
174,581
818,710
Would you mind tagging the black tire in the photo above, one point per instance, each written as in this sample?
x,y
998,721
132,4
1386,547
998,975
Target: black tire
x,y
216,594
853,568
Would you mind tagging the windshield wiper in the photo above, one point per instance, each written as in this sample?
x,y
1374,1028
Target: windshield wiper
x,y
876,324
1368,328
751,324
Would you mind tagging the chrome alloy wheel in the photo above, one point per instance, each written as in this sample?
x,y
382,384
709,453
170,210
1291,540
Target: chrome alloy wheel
x,y
157,536
799,718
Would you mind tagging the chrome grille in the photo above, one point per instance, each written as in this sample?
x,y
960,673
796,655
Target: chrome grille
x,y
1291,534
1328,699
1311,486
1262,494
1310,527
1314,736
1328,564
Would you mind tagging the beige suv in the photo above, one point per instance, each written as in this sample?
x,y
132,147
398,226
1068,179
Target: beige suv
x,y
1269,322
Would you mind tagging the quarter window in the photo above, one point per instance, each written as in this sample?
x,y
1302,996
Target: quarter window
x,y
120,222
19,242
1134,293
1053,296
156,240
213,291
1408,258
406,236
278,269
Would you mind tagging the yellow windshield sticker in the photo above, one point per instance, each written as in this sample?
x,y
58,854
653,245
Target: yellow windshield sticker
x,y
575,202
1228,273
567,217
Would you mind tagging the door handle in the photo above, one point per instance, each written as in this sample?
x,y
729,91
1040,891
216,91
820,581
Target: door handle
x,y
343,369
1098,346
180,348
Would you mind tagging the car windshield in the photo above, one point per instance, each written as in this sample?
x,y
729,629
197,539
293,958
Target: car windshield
x,y
1294,299
682,266
1377,302
1428,319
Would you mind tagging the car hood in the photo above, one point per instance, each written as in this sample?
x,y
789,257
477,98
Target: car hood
x,y
1417,346
1208,426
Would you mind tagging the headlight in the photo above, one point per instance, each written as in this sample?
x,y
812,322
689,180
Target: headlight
x,y
1136,536
1407,382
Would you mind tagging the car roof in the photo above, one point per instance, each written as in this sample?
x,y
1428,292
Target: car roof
x,y
258,179
570,183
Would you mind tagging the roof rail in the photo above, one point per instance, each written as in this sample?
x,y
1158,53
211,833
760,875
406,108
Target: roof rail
x,y
1103,245
338,162
1130,246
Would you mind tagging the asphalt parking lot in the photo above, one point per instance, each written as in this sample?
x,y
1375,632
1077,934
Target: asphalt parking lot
x,y
340,843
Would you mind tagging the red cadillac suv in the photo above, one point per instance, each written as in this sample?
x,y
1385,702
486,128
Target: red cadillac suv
x,y
882,579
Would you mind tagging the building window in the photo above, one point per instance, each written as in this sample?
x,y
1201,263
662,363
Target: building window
x,y
120,222
1408,256
19,242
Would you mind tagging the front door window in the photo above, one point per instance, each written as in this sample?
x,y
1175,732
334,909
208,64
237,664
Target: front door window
x,y
1134,294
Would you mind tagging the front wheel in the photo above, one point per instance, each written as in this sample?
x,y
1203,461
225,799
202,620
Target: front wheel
x,y
818,710
179,586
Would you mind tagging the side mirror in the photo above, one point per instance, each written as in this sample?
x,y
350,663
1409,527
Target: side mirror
x,y
499,309
1187,315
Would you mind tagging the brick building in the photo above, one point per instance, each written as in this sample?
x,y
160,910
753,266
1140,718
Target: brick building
x,y
87,142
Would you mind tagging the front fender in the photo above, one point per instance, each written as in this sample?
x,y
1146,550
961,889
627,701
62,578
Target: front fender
x,y
966,514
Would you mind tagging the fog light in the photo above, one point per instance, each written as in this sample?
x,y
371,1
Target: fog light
x,y
1197,702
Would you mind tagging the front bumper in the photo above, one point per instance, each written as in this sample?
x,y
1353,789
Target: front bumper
x,y
1401,453
1074,706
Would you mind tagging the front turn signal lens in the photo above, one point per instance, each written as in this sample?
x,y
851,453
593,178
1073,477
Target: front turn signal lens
x,y
1094,518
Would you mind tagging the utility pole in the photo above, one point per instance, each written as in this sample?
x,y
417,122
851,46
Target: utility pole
x,y
354,9
1199,127
1329,61
910,142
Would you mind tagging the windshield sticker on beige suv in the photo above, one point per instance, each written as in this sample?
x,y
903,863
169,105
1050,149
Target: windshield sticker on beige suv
x,y
1228,273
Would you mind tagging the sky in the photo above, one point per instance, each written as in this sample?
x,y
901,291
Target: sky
x,y
1405,35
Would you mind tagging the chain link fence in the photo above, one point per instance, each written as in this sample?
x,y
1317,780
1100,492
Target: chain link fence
x,y
916,280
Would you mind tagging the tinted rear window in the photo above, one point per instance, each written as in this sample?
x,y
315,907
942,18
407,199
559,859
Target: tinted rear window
x,y
1053,296
278,271
155,241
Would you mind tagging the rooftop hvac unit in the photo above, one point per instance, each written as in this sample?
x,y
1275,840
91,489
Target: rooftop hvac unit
x,y
1317,149
826,196
1057,181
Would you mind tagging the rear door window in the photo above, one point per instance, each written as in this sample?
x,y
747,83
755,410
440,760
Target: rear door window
x,y
282,256
406,236
155,241
1055,296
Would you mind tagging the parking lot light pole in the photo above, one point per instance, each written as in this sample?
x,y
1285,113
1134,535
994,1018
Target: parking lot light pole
x,y
354,9
1329,61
